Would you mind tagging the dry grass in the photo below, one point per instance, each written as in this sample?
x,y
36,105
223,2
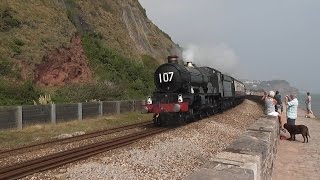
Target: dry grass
x,y
39,133
44,25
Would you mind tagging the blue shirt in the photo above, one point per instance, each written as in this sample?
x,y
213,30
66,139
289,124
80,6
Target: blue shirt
x,y
292,109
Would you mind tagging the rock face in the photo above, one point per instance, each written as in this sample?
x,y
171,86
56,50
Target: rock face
x,y
64,65
34,34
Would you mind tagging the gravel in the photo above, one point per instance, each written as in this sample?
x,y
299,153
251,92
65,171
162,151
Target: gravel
x,y
37,152
171,155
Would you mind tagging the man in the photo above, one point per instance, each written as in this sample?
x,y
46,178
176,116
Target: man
x,y
278,106
308,103
292,111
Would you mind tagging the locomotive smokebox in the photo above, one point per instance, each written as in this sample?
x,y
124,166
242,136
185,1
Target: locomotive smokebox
x,y
173,59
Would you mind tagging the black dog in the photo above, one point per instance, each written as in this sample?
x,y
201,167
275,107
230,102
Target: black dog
x,y
297,129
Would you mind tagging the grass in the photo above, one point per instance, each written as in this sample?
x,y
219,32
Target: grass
x,y
33,23
41,133
35,28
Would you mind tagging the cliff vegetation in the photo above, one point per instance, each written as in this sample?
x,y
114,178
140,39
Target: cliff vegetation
x,y
78,50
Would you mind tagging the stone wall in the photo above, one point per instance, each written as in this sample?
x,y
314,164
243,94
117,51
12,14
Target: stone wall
x,y
250,156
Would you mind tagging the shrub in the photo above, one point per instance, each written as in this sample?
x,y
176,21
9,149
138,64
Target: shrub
x,y
150,63
17,94
5,67
135,77
7,20
9,69
87,92
16,49
18,42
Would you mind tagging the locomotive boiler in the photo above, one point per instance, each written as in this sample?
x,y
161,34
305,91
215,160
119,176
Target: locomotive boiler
x,y
186,92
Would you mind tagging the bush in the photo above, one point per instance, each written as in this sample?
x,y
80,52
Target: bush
x,y
150,63
9,69
136,78
5,67
18,42
16,49
17,94
7,21
87,92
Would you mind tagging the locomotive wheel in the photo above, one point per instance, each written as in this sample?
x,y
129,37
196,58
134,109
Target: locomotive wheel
x,y
208,113
201,115
157,120
196,117
182,119
188,118
212,111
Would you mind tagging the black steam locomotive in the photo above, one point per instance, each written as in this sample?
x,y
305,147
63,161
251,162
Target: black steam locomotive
x,y
185,93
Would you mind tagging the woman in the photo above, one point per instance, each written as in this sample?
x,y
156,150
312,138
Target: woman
x,y
270,103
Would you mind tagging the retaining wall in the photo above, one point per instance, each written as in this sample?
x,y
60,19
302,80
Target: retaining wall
x,y
251,156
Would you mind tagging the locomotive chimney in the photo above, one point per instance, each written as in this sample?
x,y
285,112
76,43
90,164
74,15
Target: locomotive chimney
x,y
173,59
189,64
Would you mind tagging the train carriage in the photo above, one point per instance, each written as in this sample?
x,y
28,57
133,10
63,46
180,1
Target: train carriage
x,y
240,89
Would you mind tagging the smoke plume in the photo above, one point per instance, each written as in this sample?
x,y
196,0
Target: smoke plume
x,y
219,57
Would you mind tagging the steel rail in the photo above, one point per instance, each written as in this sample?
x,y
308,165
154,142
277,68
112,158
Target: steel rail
x,y
55,160
77,138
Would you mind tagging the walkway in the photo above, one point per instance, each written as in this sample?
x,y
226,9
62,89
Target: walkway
x,y
296,160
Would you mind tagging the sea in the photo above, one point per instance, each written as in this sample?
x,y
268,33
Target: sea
x,y
315,103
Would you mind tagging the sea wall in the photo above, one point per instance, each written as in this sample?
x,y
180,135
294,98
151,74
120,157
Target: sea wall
x,y
251,156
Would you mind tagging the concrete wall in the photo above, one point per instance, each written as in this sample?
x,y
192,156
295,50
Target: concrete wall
x,y
251,156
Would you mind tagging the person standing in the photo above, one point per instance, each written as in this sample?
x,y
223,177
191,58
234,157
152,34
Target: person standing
x,y
265,94
278,106
270,103
308,103
292,110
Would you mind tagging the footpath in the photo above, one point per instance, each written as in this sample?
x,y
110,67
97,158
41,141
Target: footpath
x,y
296,160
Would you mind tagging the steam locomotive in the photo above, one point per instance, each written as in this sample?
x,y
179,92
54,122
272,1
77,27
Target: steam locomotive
x,y
186,93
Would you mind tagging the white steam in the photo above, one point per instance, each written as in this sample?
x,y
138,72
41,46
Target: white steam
x,y
219,57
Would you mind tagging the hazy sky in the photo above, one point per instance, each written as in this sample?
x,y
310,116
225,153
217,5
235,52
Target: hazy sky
x,y
263,40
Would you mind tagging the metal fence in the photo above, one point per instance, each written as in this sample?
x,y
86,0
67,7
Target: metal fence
x,y
22,116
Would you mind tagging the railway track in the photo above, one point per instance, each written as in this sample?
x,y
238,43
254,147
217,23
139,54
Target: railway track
x,y
55,160
74,138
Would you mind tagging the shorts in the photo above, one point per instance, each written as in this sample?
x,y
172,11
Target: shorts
x,y
275,114
309,107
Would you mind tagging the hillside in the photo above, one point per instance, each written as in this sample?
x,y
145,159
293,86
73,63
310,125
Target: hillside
x,y
63,46
282,86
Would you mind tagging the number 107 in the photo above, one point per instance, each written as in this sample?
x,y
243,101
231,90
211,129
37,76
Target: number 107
x,y
165,77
